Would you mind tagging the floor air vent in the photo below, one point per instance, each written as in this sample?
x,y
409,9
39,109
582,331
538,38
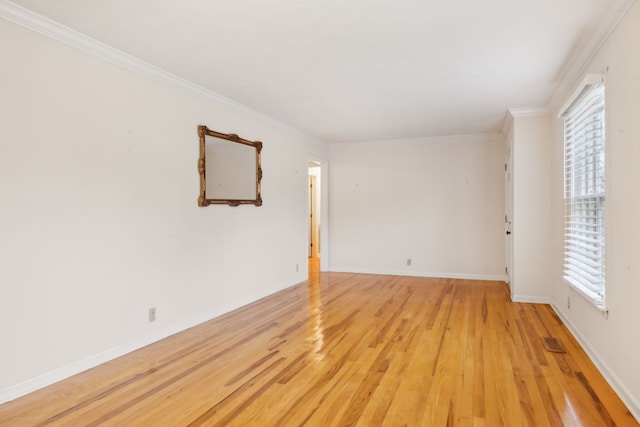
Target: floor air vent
x,y
553,345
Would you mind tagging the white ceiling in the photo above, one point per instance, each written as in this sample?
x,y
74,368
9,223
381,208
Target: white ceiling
x,y
357,70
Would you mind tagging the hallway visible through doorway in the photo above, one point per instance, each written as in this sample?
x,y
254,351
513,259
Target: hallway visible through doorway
x,y
314,217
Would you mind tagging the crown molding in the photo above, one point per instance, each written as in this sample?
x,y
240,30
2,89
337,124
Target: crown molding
x,y
478,137
513,113
61,33
579,60
517,113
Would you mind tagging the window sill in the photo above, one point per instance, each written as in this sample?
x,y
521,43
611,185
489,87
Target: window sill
x,y
601,306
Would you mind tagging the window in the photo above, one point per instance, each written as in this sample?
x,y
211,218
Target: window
x,y
584,179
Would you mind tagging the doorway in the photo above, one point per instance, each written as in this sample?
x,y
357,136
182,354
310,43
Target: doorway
x,y
315,218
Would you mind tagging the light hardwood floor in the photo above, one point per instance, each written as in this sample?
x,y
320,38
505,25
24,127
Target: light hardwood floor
x,y
347,349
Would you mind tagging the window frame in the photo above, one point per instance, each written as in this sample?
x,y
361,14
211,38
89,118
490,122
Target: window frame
x,y
584,201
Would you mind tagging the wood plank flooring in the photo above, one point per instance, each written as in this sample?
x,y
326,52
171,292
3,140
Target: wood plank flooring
x,y
345,350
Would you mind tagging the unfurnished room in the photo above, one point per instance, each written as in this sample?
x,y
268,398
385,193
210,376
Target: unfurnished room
x,y
331,213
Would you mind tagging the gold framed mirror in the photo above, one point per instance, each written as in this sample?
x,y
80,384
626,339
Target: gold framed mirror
x,y
230,169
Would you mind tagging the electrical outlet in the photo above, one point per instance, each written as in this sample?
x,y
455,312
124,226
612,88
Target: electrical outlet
x,y
152,314
297,268
409,262
569,303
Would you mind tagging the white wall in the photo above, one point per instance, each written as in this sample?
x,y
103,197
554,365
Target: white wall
x,y
613,343
439,202
531,204
99,218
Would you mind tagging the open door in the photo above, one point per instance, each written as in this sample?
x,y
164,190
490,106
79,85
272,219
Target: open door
x,y
314,217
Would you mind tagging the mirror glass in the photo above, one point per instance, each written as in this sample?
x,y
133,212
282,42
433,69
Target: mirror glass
x,y
229,168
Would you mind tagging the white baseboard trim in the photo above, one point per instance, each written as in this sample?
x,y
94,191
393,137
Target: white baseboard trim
x,y
618,386
530,299
496,277
46,379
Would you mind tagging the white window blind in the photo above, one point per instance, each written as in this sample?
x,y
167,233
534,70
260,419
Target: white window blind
x,y
584,229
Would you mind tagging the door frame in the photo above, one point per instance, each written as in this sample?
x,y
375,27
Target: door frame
x,y
323,200
508,217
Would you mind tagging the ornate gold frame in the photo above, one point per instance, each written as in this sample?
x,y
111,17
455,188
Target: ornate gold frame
x,y
203,132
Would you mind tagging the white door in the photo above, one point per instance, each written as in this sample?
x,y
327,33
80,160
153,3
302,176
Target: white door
x,y
508,217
